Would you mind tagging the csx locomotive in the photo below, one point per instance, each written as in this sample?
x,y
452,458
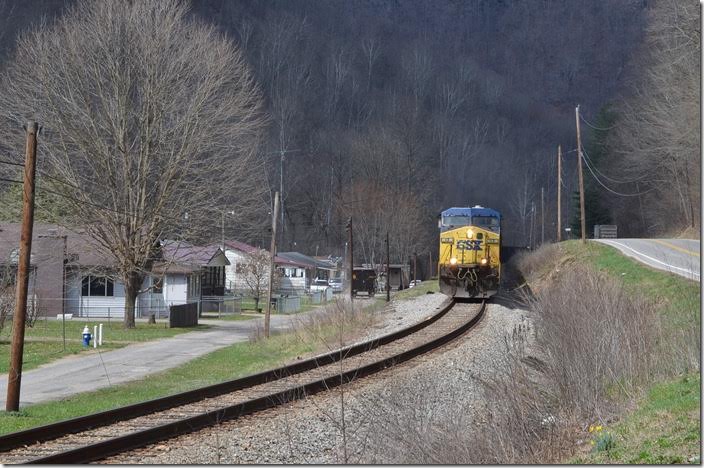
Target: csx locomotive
x,y
469,265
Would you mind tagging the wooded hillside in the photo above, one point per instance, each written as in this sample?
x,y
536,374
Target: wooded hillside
x,y
390,111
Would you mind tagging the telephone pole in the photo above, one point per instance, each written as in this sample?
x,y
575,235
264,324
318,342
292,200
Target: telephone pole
x,y
430,264
272,264
351,257
388,270
415,265
542,216
14,377
581,178
559,193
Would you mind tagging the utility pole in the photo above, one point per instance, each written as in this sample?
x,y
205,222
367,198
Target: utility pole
x,y
532,223
430,264
282,152
14,377
542,216
581,178
272,265
559,193
351,256
388,270
415,266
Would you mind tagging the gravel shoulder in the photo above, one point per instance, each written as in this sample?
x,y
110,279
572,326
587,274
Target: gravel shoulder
x,y
421,395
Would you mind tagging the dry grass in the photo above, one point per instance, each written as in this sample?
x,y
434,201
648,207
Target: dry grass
x,y
589,344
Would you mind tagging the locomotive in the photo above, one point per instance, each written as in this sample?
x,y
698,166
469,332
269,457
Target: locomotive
x,y
469,264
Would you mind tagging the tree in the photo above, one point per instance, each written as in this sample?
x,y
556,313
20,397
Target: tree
x,y
256,274
148,114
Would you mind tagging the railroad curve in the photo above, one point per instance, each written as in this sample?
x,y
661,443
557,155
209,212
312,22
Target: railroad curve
x,y
233,399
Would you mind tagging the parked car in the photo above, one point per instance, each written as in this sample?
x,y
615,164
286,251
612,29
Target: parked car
x,y
335,284
414,283
319,285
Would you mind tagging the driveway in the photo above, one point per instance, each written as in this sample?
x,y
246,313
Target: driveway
x,y
678,256
87,372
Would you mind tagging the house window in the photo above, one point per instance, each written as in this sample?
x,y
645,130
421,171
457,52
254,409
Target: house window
x,y
99,286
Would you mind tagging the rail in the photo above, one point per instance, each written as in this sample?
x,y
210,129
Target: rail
x,y
143,437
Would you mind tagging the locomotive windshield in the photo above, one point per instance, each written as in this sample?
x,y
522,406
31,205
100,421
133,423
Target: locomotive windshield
x,y
455,221
486,222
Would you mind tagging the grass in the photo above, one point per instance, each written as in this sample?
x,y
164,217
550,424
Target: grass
x,y
664,429
677,297
225,364
228,363
44,341
234,361
423,288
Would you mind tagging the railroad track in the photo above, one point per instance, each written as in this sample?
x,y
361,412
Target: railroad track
x,y
94,437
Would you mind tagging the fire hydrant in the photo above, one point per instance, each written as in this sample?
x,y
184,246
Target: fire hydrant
x,y
86,336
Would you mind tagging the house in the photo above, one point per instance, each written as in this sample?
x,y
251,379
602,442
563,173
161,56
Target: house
x,y
190,274
239,255
70,274
46,280
296,272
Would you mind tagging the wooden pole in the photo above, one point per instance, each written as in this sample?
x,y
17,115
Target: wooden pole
x,y
581,178
542,215
351,257
415,265
388,270
559,193
272,264
430,264
14,377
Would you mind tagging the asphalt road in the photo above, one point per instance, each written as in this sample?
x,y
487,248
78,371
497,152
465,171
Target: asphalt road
x,y
91,371
678,256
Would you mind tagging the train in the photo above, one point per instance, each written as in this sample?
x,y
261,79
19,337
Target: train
x,y
469,264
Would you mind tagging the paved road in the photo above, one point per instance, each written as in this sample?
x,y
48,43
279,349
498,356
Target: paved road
x,y
86,372
679,256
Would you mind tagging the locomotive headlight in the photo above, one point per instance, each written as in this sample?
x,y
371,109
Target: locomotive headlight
x,y
470,233
453,261
484,261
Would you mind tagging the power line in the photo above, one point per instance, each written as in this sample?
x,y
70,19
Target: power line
x,y
595,127
610,190
607,177
2,161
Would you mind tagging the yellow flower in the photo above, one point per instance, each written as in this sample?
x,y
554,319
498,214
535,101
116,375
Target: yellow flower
x,y
591,428
598,428
592,442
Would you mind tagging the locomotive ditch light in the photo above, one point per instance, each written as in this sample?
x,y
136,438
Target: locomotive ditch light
x,y
470,233
453,261
484,261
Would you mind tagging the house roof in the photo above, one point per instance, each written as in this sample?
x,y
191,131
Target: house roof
x,y
241,246
81,249
183,253
294,259
306,261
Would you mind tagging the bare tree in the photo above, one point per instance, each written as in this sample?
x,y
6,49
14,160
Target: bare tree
x,y
256,274
148,114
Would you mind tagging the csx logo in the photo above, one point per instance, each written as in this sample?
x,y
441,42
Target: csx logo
x,y
469,245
